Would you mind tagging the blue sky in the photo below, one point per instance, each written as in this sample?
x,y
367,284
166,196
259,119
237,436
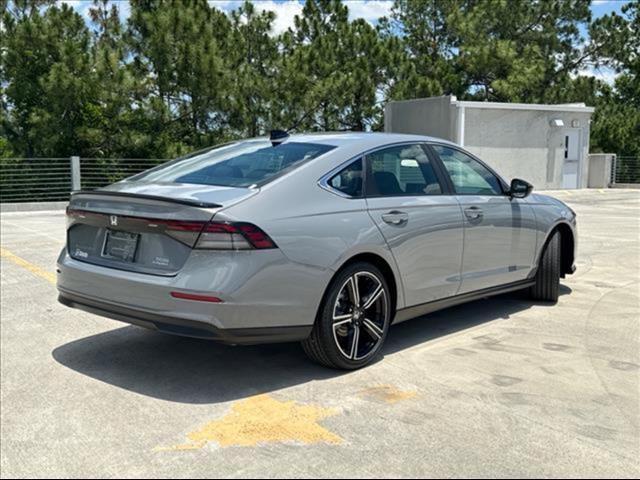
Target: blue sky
x,y
603,7
285,10
370,10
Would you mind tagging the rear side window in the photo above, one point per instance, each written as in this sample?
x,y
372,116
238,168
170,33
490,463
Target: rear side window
x,y
349,180
401,170
239,164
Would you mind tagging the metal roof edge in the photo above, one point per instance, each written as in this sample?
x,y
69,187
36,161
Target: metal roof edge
x,y
568,107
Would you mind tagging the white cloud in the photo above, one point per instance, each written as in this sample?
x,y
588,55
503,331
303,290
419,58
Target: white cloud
x,y
285,11
370,10
605,74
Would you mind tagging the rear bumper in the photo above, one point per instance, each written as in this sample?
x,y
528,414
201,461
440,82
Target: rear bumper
x,y
265,298
184,327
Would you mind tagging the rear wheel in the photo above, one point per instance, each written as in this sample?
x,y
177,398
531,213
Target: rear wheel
x,y
353,320
547,284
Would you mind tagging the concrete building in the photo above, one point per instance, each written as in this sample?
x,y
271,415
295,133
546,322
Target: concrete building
x,y
547,145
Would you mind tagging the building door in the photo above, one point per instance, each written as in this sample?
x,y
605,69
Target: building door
x,y
570,167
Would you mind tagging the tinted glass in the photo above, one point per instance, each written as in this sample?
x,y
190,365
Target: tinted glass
x,y
236,165
468,175
402,170
349,180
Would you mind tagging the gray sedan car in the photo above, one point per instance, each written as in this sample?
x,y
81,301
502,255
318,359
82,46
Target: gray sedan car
x,y
326,239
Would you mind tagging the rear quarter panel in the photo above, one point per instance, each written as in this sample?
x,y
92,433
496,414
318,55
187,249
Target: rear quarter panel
x,y
318,231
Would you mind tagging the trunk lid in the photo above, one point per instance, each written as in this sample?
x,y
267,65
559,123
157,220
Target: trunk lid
x,y
143,227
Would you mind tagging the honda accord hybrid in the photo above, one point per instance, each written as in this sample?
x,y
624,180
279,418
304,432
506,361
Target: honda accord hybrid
x,y
327,239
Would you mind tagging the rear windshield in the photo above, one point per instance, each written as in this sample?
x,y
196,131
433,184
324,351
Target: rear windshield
x,y
239,164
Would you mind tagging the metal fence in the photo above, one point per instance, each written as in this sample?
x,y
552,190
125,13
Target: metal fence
x,y
52,179
625,170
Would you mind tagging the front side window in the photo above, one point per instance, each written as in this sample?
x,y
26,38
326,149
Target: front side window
x,y
469,177
349,180
401,170
236,165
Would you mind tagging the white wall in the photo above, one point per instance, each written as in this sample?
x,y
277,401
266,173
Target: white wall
x,y
435,116
516,142
522,143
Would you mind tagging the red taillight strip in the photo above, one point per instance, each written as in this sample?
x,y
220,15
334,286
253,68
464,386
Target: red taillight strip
x,y
188,226
221,227
199,298
252,233
180,225
255,236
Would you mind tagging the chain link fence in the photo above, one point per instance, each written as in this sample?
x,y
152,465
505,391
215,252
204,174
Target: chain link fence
x,y
52,179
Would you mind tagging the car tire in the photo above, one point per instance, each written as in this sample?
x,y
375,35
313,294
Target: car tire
x,y
547,284
334,342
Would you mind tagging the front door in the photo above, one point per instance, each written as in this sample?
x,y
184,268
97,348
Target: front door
x,y
421,224
571,159
499,231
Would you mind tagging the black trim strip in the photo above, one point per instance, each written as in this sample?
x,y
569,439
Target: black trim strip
x,y
182,201
183,327
424,308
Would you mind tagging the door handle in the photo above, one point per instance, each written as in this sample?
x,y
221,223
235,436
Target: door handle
x,y
473,213
395,217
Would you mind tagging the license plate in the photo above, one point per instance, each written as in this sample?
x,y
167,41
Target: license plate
x,y
120,245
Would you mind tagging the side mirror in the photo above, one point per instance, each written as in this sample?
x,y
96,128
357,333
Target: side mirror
x,y
519,188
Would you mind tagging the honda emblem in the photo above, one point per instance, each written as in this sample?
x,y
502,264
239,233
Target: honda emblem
x,y
113,220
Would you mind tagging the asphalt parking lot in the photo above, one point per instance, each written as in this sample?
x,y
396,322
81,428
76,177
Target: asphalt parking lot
x,y
499,387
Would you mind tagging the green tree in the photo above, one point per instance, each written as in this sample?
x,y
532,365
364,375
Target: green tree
x,y
48,87
499,50
178,50
616,126
331,70
430,41
252,58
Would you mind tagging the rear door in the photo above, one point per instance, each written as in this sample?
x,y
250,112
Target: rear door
x,y
421,223
500,231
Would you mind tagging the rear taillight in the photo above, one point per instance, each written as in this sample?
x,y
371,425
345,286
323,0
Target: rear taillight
x,y
196,234
183,231
233,236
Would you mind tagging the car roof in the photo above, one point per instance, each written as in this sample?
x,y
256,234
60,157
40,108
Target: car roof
x,y
365,140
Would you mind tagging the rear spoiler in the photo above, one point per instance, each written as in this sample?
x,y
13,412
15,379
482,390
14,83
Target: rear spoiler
x,y
182,201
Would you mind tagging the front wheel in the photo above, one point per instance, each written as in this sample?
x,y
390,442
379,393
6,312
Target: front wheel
x,y
547,284
353,319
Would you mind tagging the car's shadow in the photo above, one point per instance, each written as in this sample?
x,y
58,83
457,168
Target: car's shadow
x,y
196,371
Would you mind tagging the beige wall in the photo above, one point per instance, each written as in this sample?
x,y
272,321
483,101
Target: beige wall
x,y
516,142
522,143
434,116
600,169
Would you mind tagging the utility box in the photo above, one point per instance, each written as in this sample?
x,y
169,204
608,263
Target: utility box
x,y
547,145
600,169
